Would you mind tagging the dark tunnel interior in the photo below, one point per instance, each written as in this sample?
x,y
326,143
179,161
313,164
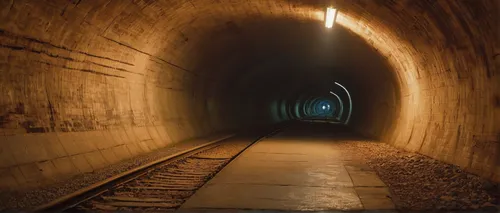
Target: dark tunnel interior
x,y
284,66
85,80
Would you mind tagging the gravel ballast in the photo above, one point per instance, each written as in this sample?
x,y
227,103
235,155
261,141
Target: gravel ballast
x,y
29,199
419,182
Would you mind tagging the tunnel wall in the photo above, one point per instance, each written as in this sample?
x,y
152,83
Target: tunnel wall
x,y
88,83
444,53
77,96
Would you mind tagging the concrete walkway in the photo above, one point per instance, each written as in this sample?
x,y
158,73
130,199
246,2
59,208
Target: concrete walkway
x,y
295,172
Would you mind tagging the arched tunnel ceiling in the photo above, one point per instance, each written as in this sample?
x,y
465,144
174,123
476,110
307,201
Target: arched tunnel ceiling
x,y
422,73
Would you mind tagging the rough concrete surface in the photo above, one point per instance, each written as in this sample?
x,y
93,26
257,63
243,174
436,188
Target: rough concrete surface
x,y
286,172
86,84
321,167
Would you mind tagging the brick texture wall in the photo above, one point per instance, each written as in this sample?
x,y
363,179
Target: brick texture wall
x,y
85,84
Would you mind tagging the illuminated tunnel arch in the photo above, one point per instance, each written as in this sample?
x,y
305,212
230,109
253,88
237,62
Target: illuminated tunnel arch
x,y
350,102
340,105
310,106
94,75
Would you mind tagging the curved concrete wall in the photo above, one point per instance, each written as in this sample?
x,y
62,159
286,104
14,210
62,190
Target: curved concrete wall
x,y
88,83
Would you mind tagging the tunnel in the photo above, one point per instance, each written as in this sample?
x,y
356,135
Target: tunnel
x,y
86,84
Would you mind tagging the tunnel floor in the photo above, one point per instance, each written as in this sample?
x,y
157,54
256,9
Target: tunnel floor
x,y
312,166
296,172
319,166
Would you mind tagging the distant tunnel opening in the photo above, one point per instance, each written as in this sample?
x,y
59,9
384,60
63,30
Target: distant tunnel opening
x,y
91,83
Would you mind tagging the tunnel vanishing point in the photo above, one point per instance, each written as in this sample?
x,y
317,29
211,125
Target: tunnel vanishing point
x,y
88,83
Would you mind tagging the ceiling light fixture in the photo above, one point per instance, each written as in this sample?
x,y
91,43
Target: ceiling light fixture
x,y
331,14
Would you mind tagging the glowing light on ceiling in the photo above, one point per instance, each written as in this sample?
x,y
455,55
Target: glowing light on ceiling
x,y
331,13
324,107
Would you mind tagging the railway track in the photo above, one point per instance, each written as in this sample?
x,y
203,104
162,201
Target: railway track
x,y
159,188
